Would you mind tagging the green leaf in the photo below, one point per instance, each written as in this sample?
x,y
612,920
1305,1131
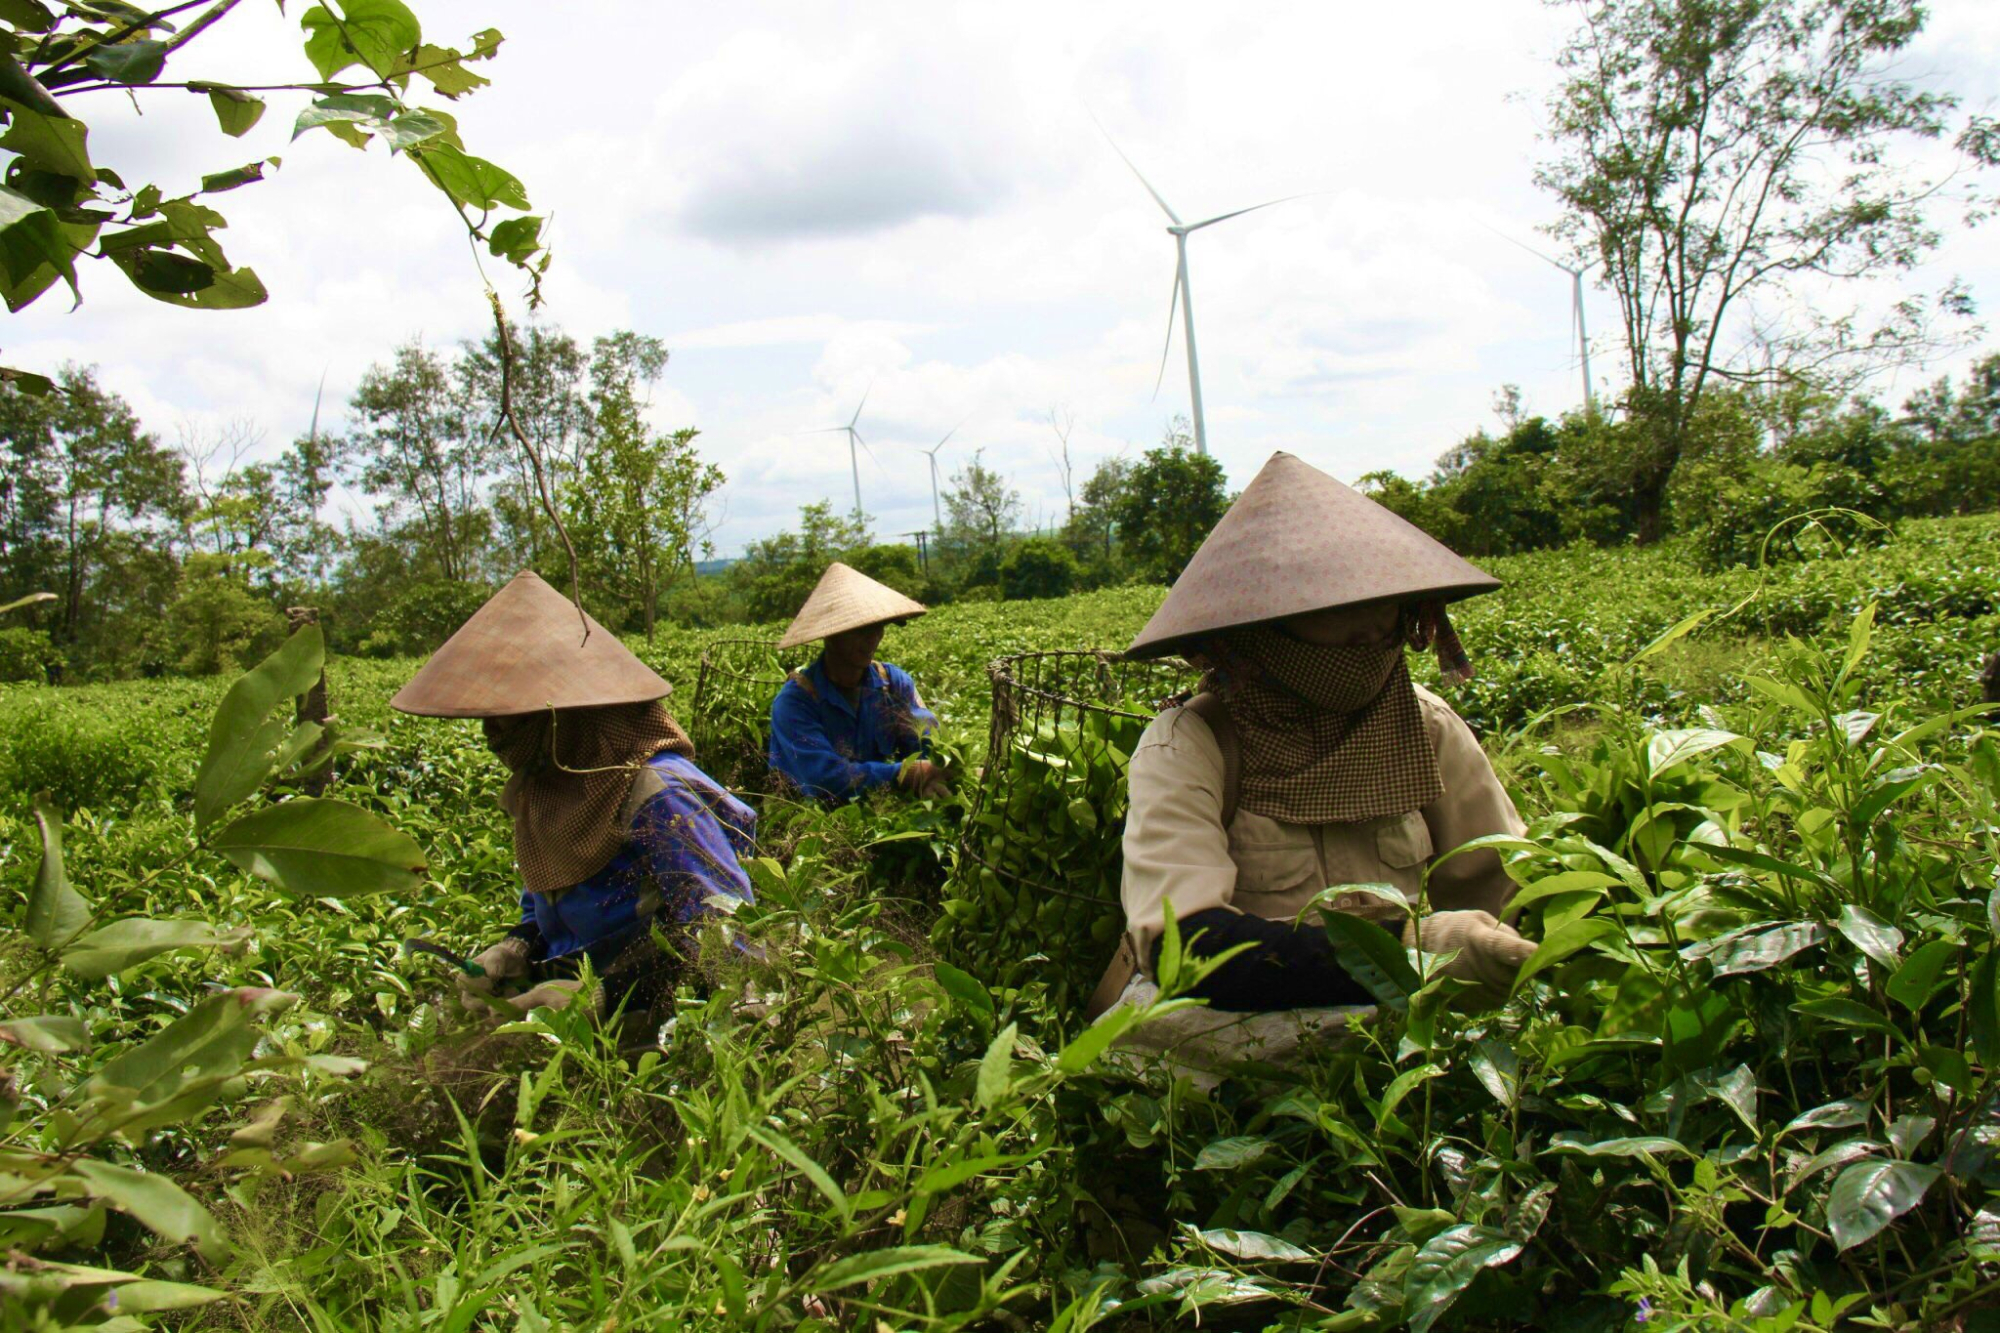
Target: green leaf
x,y
243,738
51,1034
1848,1013
1670,749
163,273
1913,984
27,15
222,181
874,1264
1445,1267
346,108
1858,636
322,849
964,989
1571,939
1677,631
1983,1004
232,289
1756,947
1498,1069
48,143
1871,934
56,912
156,1203
1251,1246
472,181
1890,788
1373,957
995,1066
410,129
806,1166
134,62
374,33
1868,1196
236,111
516,239
1843,1114
1638,1145
950,1175
1228,1154
128,943
212,1040
1084,1048
1402,1086
33,249
152,1297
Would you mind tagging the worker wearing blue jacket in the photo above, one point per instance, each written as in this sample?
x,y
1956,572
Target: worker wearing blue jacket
x,y
848,724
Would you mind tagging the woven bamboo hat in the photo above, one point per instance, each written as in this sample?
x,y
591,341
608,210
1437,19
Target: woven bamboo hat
x,y
1296,541
846,599
522,652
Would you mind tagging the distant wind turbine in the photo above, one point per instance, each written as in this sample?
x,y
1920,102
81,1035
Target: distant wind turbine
x,y
937,514
853,440
1575,311
1183,294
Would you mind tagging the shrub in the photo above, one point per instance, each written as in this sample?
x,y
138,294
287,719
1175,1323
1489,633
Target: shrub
x,y
27,654
1728,506
424,617
1038,567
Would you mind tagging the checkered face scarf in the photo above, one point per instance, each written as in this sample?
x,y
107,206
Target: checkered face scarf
x,y
572,769
1329,735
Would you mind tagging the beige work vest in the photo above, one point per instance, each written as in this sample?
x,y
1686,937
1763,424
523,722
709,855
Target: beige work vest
x,y
1176,850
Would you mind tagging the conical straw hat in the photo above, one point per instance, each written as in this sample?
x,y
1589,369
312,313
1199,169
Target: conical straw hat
x,y
525,651
1295,541
846,599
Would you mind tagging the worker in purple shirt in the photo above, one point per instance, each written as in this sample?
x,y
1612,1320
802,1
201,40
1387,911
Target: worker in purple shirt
x,y
624,846
848,724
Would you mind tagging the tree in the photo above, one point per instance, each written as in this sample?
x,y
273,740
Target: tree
x,y
635,510
1715,153
1093,523
980,510
89,510
417,443
1038,567
775,575
1169,502
550,395
58,204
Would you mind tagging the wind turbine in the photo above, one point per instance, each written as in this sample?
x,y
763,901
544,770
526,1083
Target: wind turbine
x,y
1183,294
853,439
1575,311
937,514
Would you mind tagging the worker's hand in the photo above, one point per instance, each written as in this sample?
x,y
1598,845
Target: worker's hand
x,y
505,961
548,995
924,779
1489,952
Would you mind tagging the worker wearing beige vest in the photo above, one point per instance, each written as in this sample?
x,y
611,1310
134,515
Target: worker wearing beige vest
x,y
1310,760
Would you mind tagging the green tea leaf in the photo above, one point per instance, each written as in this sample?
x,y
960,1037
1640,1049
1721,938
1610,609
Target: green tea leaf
x,y
126,944
872,1265
51,1034
1868,1196
1640,1145
243,738
1667,750
1871,934
1848,1013
1251,1246
156,1203
1445,1267
1373,957
1756,947
1231,1153
56,912
237,112
320,848
1571,939
995,1066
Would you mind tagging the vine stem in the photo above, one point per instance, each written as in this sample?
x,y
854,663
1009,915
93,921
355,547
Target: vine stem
x,y
513,424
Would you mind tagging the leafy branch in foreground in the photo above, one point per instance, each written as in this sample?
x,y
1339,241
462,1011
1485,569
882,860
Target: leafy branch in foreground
x,y
57,205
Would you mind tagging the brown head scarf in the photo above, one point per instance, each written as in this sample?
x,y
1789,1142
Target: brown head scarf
x,y
572,769
1329,735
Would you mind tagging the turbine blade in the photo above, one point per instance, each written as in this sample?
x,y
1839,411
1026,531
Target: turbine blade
x,y
1224,217
1173,305
1554,263
319,393
1165,207
856,418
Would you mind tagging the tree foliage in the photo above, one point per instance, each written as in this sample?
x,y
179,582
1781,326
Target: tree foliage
x,y
1715,155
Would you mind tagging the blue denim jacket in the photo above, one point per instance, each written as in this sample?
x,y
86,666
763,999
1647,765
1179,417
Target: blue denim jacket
x,y
833,749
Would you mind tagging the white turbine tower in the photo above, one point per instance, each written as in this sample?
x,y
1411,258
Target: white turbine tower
x,y
1575,312
1183,294
937,513
853,439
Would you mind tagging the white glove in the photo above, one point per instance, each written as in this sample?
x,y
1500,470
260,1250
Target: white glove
x,y
505,961
548,995
1489,952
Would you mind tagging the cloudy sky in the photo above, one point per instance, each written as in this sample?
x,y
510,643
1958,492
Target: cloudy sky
x,y
813,201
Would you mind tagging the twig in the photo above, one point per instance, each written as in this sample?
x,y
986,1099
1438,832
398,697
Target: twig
x,y
534,455
194,29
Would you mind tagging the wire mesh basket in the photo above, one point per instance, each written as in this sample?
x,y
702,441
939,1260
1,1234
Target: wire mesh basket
x,y
730,718
1034,896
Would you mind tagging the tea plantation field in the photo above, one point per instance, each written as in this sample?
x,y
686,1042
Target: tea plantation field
x,y
1749,1081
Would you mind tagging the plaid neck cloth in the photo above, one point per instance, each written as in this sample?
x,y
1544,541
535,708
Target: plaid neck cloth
x,y
1329,735
571,772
